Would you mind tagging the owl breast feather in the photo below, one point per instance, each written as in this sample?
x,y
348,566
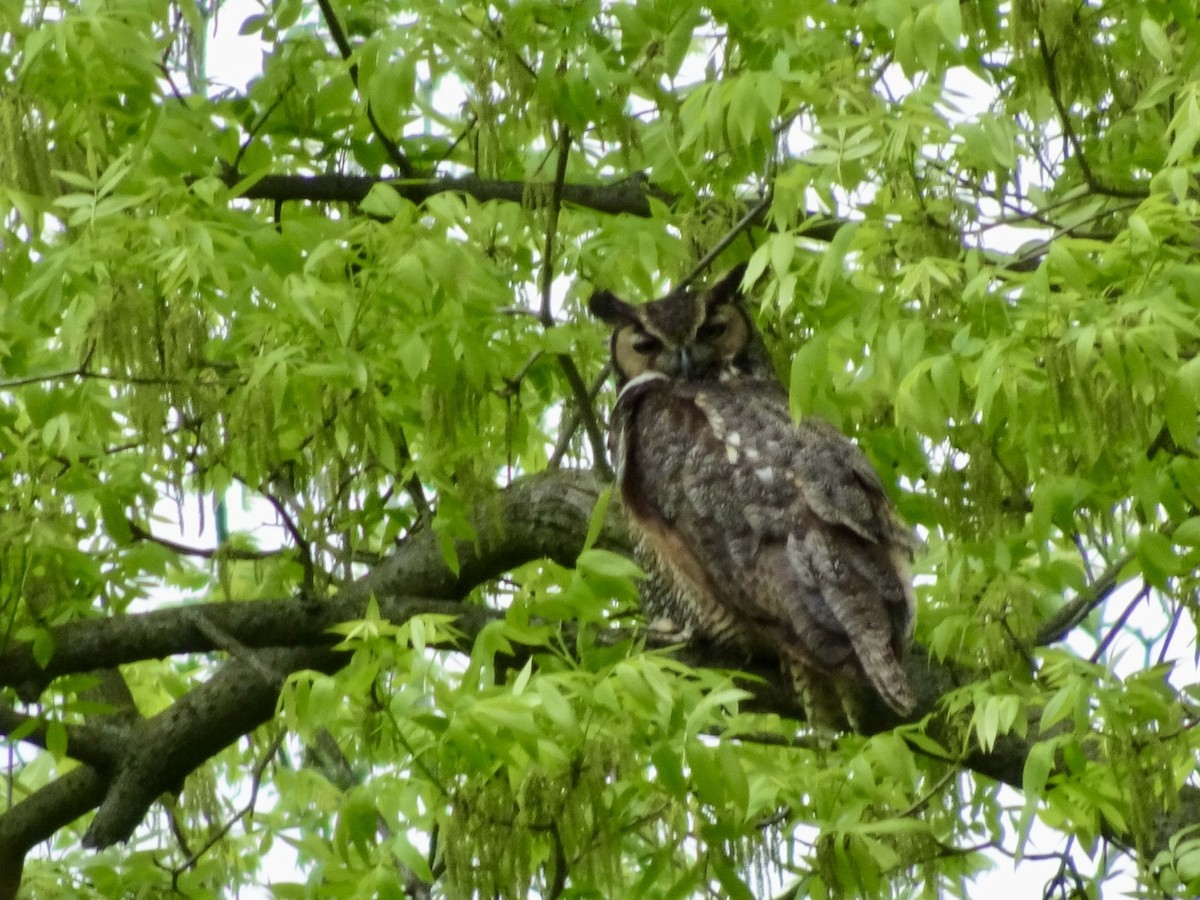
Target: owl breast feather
x,y
762,532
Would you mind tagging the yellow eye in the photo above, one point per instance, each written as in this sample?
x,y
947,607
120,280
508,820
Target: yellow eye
x,y
646,344
712,329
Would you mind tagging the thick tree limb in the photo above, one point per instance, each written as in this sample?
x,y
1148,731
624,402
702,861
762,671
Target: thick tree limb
x,y
39,816
164,749
541,516
538,517
629,195
545,516
253,624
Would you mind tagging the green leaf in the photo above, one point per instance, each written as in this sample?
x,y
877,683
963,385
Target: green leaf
x,y
1156,41
391,90
737,787
383,201
1038,765
1181,400
1180,409
412,859
598,518
504,712
995,716
949,19
927,38
1188,532
606,563
42,647
833,260
522,679
558,709
286,13
706,778
1060,705
733,886
56,739
668,768
253,24
1156,557
1185,129
414,355
357,819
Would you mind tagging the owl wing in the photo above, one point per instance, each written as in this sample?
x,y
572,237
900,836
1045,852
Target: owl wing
x,y
789,525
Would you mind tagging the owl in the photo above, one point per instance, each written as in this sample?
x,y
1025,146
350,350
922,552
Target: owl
x,y
756,532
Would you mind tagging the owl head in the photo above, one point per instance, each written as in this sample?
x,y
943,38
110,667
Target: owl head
x,y
694,335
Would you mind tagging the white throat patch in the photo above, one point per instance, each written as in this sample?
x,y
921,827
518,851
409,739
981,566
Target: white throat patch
x,y
638,380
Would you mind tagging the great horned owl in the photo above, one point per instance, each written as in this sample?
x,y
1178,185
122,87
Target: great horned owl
x,y
755,531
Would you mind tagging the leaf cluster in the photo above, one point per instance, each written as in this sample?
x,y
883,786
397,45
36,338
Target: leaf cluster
x,y
269,351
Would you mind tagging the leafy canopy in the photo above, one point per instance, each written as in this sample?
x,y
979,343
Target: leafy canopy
x,y
346,302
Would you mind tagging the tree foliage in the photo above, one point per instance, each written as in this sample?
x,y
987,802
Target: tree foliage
x,y
307,566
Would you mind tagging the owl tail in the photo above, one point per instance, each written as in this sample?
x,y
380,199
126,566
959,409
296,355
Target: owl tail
x,y
884,671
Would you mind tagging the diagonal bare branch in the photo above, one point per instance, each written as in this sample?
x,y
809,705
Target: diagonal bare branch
x,y
395,154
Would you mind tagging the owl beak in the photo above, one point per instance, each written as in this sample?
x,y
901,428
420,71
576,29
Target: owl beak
x,y
687,362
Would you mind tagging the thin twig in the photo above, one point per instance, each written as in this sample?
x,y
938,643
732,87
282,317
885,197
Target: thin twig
x,y
556,195
395,154
579,390
36,379
568,428
1118,625
1162,654
255,781
1076,145
412,484
1036,251
306,557
513,384
141,534
921,802
1064,621
1088,572
719,247
166,73
587,413
257,126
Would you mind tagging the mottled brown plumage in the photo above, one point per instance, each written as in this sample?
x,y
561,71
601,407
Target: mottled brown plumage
x,y
756,531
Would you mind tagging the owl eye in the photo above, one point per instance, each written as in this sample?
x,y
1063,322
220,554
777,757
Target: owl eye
x,y
712,329
646,344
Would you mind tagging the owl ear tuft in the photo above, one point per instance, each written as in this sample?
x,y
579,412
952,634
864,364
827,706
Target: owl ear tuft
x,y
729,288
610,308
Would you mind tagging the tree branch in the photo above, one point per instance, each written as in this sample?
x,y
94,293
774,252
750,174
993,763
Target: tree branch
x,y
164,749
1064,117
628,195
395,154
232,628
40,815
753,215
1063,622
141,534
540,516
96,745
